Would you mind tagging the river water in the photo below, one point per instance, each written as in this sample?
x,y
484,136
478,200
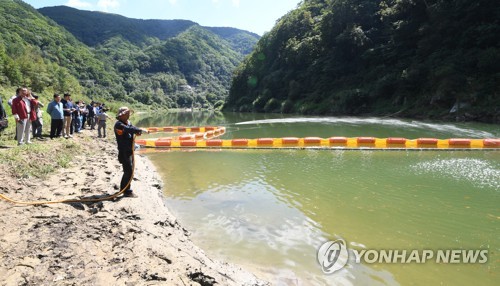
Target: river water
x,y
271,210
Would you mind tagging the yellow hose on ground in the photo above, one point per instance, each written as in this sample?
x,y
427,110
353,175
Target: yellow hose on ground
x,y
89,200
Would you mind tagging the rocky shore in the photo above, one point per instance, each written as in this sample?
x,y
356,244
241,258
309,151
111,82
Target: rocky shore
x,y
125,241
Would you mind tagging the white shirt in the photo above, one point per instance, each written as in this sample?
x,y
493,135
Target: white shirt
x,y
28,105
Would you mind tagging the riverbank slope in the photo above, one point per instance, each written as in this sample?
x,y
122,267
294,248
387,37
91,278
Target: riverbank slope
x,y
127,241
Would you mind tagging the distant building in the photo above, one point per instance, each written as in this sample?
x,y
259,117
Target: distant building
x,y
185,87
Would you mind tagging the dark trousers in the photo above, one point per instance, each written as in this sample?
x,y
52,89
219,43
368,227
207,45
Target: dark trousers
x,y
72,125
56,126
36,127
127,161
84,120
75,124
91,121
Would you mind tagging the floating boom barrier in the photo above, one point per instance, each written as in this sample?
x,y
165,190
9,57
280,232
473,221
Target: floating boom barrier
x,y
206,137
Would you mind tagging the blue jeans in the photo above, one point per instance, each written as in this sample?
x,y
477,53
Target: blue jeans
x,y
78,124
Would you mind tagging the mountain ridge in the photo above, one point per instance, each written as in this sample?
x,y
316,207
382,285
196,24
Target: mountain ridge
x,y
106,25
125,64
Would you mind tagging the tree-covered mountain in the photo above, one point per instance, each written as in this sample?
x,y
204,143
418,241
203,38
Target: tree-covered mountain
x,y
37,52
93,28
191,69
241,41
176,63
351,57
173,63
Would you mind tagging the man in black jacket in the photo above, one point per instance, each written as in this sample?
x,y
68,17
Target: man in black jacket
x,y
91,115
124,132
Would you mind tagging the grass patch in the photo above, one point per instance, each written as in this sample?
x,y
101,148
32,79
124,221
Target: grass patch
x,y
40,159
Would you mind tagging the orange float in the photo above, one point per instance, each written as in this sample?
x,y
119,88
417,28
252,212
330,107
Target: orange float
x,y
396,141
214,142
204,137
188,143
265,141
459,142
493,143
163,142
337,140
365,140
427,141
312,140
239,142
186,137
289,140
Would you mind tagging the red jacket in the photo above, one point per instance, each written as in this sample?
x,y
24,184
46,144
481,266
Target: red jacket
x,y
19,108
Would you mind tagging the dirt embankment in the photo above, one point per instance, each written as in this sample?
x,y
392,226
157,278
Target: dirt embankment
x,y
126,241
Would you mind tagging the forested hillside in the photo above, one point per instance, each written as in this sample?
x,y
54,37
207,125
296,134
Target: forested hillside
x,y
93,28
172,63
36,52
176,63
192,69
416,58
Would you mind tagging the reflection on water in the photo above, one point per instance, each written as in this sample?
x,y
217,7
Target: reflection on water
x,y
180,119
270,210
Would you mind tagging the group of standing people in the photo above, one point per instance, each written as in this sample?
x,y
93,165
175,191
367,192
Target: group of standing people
x,y
28,115
68,117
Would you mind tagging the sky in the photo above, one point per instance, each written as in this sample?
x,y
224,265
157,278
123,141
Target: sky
x,y
258,16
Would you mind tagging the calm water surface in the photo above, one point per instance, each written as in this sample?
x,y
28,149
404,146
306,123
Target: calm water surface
x,y
270,210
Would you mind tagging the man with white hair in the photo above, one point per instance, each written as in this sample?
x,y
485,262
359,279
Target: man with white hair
x,y
23,112
124,132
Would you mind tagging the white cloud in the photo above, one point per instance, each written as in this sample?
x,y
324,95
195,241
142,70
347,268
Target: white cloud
x,y
236,3
105,4
78,4
173,2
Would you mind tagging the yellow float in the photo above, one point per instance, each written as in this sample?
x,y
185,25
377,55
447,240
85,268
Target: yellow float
x,y
206,137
